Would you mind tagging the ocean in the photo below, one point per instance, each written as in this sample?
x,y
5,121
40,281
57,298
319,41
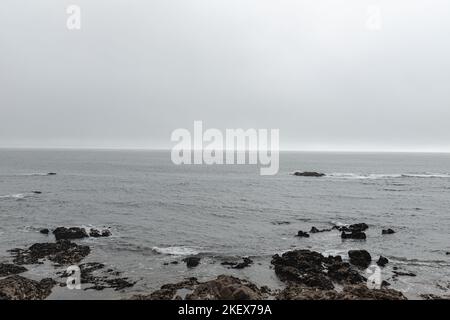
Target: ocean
x,y
159,212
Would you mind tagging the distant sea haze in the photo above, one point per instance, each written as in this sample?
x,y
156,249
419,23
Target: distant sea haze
x,y
159,212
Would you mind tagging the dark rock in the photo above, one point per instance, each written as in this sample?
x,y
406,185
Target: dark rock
x,y
97,233
315,230
20,288
353,235
192,262
349,292
343,273
174,262
303,267
239,265
401,273
37,192
357,227
360,258
7,269
62,252
382,261
63,233
51,174
280,222
387,231
302,234
44,231
308,174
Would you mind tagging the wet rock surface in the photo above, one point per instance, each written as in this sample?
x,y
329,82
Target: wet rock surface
x,y
382,261
246,262
312,269
63,233
99,233
62,252
7,269
192,262
302,234
360,258
222,288
20,288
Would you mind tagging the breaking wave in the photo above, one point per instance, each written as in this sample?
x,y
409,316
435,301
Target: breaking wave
x,y
176,251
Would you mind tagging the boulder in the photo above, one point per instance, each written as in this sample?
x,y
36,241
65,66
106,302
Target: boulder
x,y
97,233
63,233
382,261
360,258
302,234
192,262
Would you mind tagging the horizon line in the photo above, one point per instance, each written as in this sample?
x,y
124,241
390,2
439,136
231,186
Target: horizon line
x,y
319,150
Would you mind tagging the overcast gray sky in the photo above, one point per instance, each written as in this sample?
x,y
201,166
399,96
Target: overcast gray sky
x,y
138,69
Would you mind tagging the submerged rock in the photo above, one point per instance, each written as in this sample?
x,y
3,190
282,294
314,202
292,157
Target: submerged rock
x,y
63,233
387,231
20,288
382,261
44,231
308,174
192,262
353,228
7,269
315,230
360,258
51,174
62,252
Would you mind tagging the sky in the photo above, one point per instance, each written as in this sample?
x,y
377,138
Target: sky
x,y
323,72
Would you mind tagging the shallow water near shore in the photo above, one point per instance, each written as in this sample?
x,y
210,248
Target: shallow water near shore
x,y
159,213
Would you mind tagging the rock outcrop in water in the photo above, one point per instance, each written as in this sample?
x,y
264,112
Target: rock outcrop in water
x,y
62,252
20,288
387,231
7,269
360,258
382,261
302,234
246,262
192,262
309,174
63,233
353,235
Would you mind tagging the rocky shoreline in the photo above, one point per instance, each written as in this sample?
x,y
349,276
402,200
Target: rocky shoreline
x,y
305,274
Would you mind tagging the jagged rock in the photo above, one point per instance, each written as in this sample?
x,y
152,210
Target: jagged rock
x,y
360,258
387,231
382,261
353,235
302,267
308,174
226,288
168,291
302,234
20,288
62,252
7,269
63,233
192,262
350,292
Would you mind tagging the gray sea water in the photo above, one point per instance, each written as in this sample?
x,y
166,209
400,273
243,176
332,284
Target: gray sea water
x,y
159,212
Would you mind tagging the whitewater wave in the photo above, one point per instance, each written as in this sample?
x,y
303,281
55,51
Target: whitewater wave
x,y
376,176
176,251
16,196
